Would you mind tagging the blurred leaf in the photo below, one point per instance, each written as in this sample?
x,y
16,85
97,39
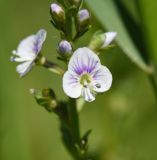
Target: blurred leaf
x,y
106,12
131,8
148,11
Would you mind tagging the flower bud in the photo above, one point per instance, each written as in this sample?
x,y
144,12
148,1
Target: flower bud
x,y
83,17
109,37
45,98
64,48
58,15
102,40
96,42
82,22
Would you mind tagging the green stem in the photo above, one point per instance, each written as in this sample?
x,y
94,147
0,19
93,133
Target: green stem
x,y
80,144
74,121
51,66
68,29
70,130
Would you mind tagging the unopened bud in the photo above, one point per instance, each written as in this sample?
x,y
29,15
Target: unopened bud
x,y
83,17
64,48
56,8
109,37
83,21
45,98
96,42
58,15
102,40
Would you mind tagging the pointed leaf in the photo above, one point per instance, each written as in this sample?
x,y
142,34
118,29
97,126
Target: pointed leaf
x,y
149,23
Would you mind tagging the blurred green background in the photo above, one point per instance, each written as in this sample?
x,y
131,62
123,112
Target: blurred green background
x,y
123,120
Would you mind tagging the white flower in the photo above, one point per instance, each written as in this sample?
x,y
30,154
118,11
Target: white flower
x,y
109,37
86,76
27,52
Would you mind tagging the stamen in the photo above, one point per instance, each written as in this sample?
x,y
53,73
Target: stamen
x,y
12,59
85,79
87,94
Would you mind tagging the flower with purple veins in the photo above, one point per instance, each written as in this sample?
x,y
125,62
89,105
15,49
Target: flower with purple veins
x,y
86,76
27,52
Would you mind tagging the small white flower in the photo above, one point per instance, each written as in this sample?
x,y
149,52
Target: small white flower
x,y
86,76
27,52
109,37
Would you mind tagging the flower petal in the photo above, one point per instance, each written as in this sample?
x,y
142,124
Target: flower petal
x,y
24,68
87,94
40,38
18,59
102,79
109,37
31,46
83,60
71,85
26,47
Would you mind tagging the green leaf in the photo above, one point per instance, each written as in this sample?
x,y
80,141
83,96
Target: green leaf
x,y
107,13
148,11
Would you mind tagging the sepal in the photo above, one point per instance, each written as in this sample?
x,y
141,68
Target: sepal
x,y
58,16
76,3
97,41
82,20
45,98
102,41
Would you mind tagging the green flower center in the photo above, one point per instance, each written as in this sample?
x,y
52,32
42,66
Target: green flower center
x,y
85,79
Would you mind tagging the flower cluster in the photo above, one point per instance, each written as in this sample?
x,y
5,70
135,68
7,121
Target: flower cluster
x,y
85,75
